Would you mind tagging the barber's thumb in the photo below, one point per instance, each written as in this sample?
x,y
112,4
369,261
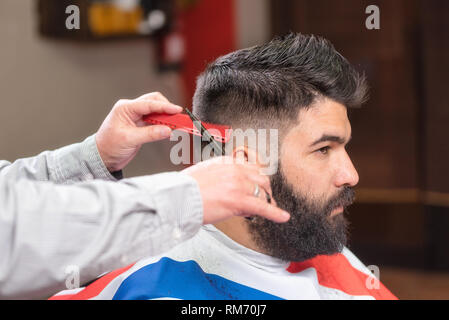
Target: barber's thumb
x,y
151,133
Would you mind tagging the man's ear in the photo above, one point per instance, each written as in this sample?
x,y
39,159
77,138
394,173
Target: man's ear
x,y
245,154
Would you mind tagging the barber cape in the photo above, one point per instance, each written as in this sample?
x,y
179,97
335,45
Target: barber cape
x,y
212,266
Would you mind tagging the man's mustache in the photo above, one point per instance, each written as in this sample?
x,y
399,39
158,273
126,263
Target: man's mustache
x,y
344,198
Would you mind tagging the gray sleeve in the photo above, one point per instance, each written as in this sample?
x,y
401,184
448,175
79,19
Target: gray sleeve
x,y
73,163
47,230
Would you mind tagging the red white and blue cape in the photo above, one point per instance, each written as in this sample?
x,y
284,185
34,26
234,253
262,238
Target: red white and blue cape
x,y
212,266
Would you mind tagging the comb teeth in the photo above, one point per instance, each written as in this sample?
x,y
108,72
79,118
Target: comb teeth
x,y
172,126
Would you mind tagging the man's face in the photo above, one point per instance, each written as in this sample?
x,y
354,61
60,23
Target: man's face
x,y
313,155
313,183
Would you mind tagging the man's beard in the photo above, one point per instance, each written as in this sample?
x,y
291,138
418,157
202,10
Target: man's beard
x,y
311,230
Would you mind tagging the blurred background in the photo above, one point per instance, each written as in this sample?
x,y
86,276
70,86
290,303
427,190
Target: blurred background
x,y
58,82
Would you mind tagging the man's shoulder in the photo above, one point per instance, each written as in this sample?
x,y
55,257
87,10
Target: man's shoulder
x,y
204,268
186,258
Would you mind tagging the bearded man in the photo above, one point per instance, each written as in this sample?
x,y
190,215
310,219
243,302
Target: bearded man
x,y
300,86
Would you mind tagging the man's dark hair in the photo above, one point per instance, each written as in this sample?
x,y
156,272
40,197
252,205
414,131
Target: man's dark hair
x,y
273,81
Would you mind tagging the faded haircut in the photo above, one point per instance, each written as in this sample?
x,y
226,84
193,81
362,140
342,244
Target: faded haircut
x,y
266,85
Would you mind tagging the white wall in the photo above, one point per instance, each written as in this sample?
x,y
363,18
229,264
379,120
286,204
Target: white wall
x,y
253,22
54,93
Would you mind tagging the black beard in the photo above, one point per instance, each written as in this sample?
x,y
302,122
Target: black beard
x,y
311,230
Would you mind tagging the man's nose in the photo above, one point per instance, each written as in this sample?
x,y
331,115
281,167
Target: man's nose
x,y
346,173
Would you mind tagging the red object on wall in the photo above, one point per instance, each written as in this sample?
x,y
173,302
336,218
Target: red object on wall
x,y
208,28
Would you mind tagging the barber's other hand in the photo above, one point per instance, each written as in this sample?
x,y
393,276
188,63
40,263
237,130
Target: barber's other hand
x,y
227,189
123,131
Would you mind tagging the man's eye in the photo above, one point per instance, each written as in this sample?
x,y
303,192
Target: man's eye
x,y
324,150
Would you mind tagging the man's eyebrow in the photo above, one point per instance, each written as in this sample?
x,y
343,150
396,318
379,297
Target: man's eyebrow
x,y
327,137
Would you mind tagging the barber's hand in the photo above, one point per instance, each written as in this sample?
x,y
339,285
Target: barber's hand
x,y
123,131
227,190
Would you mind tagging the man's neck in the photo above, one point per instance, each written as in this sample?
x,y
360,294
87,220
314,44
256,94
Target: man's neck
x,y
236,229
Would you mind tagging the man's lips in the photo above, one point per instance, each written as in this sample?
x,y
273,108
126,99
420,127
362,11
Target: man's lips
x,y
340,202
337,211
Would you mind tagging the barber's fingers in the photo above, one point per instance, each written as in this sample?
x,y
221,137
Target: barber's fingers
x,y
263,184
262,181
266,195
138,108
143,107
251,206
153,95
244,175
252,175
142,135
